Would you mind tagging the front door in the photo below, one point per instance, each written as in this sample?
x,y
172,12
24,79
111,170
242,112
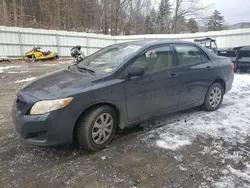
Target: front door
x,y
158,90
136,100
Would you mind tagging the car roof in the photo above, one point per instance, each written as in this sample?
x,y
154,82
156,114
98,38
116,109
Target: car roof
x,y
150,43
147,43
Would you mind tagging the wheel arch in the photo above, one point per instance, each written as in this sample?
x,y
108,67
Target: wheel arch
x,y
217,80
221,81
84,112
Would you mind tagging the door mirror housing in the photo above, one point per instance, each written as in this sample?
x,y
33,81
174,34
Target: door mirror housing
x,y
135,72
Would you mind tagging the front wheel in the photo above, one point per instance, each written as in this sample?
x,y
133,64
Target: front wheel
x,y
97,128
214,97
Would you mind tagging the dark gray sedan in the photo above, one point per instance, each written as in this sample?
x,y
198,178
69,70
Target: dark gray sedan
x,y
118,86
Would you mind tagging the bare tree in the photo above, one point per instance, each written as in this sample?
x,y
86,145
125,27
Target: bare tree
x,y
21,13
185,8
5,13
14,12
115,17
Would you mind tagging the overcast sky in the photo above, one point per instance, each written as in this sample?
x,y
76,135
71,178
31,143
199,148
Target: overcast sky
x,y
234,11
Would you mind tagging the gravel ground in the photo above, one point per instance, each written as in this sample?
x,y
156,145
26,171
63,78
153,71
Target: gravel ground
x,y
188,149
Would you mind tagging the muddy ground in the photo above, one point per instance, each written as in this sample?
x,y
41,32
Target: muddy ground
x,y
138,157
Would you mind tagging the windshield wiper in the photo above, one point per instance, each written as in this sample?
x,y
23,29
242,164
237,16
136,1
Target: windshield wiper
x,y
90,71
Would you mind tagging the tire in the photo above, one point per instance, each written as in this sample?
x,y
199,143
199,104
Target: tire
x,y
214,97
88,127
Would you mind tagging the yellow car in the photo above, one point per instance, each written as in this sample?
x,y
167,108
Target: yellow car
x,y
37,54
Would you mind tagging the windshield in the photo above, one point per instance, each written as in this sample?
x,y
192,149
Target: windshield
x,y
109,59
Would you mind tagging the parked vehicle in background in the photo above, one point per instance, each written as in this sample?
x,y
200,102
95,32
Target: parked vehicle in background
x,y
228,52
240,56
208,43
38,54
118,86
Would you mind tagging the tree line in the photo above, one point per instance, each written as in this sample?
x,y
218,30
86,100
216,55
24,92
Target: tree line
x,y
115,17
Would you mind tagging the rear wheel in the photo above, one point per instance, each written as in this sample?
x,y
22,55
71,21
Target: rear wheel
x,y
214,97
97,128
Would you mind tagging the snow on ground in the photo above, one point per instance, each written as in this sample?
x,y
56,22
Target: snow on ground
x,y
230,124
2,69
26,80
16,72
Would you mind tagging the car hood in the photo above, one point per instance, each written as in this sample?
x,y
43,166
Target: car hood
x,y
59,84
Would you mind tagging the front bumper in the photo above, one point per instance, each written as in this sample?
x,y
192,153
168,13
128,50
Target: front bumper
x,y
53,128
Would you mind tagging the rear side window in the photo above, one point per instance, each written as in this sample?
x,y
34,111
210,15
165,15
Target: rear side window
x,y
189,54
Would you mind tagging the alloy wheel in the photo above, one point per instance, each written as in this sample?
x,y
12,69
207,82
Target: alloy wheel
x,y
102,128
215,97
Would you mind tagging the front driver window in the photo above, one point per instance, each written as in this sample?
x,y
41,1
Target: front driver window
x,y
155,59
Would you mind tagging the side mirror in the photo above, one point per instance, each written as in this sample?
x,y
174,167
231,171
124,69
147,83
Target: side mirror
x,y
135,72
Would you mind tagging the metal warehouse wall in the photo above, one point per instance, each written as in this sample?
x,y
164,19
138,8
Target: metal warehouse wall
x,y
14,41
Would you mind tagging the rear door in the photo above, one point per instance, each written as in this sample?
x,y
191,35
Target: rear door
x,y
195,73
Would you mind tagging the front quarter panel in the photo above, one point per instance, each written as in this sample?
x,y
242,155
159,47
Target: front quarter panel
x,y
109,92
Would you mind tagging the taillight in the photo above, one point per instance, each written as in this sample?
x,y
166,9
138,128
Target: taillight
x,y
232,66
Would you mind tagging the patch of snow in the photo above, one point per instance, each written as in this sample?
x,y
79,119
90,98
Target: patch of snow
x,y
10,67
245,175
65,62
225,182
178,158
232,176
182,168
25,80
15,72
172,142
103,158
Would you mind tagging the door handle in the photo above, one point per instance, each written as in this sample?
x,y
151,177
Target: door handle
x,y
173,75
209,68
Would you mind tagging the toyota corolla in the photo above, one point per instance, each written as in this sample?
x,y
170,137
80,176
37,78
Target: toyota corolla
x,y
118,86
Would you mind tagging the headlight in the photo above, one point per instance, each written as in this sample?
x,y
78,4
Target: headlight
x,y
46,106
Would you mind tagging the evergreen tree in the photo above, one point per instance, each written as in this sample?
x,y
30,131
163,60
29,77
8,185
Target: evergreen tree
x,y
181,26
163,17
216,22
153,18
148,26
192,26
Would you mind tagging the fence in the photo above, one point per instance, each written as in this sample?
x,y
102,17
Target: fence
x,y
14,41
